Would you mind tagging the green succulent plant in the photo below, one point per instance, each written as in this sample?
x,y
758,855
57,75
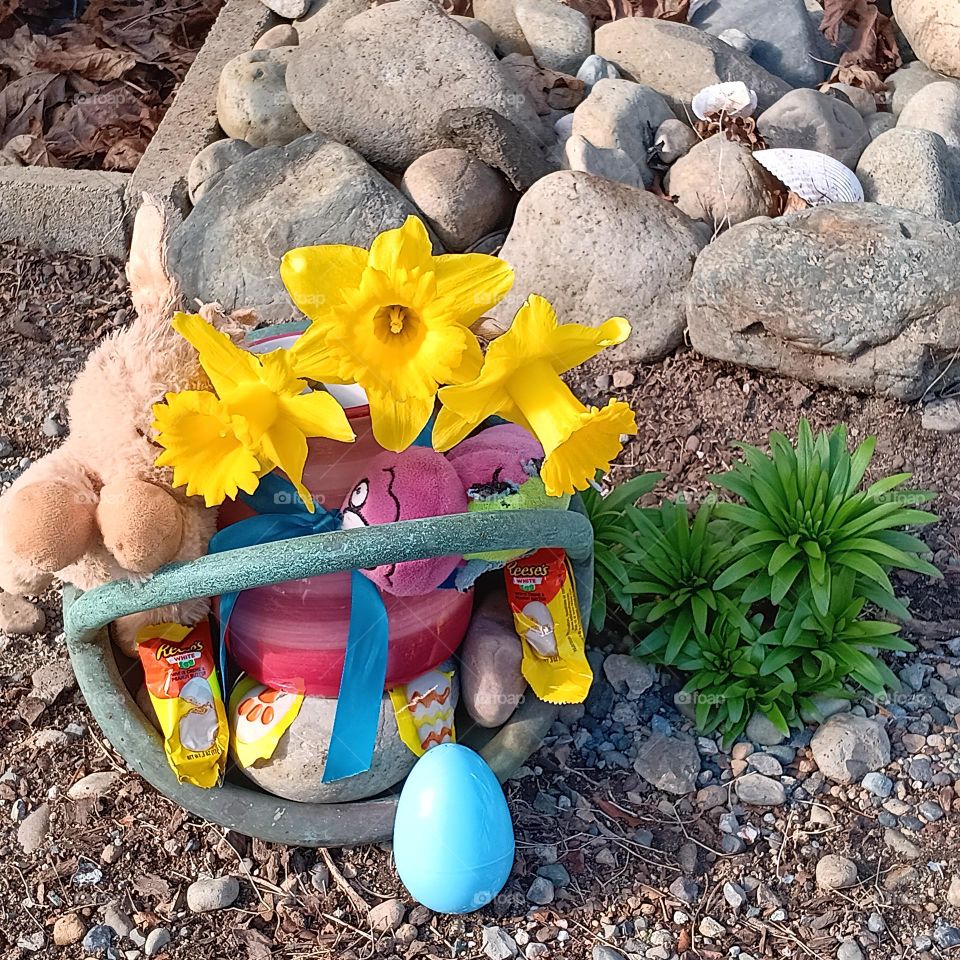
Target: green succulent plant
x,y
805,520
612,537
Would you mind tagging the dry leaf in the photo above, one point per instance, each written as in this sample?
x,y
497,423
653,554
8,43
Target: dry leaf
x,y
547,88
872,53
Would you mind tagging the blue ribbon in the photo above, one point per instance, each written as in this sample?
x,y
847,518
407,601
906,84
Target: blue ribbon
x,y
281,515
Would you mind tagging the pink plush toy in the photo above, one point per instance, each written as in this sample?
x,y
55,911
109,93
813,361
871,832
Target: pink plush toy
x,y
417,483
501,458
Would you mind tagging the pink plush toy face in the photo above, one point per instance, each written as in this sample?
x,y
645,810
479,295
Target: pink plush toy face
x,y
410,485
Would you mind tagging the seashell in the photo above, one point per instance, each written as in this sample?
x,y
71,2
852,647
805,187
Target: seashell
x,y
814,176
732,99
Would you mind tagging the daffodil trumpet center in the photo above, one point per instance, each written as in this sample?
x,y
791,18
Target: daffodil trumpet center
x,y
397,325
547,403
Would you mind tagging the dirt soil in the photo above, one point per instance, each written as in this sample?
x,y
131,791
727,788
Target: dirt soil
x,y
135,847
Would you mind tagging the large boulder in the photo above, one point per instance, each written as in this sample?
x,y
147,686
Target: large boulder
x,y
622,115
911,169
311,191
936,107
597,249
785,37
719,182
680,60
381,83
909,80
857,296
932,28
814,121
559,36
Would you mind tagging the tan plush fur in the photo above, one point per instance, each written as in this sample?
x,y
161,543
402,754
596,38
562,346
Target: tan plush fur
x,y
98,509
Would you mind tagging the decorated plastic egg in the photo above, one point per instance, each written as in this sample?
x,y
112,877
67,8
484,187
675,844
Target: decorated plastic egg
x,y
453,838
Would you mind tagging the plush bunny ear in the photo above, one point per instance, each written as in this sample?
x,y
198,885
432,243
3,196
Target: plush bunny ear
x,y
154,290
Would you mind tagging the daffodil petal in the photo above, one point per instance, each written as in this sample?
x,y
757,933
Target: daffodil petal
x,y
315,276
590,447
312,358
470,284
407,248
574,344
471,363
449,429
286,446
476,400
396,424
195,431
317,414
223,361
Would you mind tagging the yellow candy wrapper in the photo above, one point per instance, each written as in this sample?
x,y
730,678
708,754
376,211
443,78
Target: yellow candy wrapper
x,y
424,710
260,716
546,616
178,666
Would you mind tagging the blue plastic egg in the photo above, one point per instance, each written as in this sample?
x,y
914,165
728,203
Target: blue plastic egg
x,y
453,838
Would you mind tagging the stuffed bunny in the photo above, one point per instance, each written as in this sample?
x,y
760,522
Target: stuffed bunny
x,y
98,509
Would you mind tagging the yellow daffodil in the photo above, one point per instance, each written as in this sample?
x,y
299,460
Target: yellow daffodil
x,y
259,420
395,320
520,381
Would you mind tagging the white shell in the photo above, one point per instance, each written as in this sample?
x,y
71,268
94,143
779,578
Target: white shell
x,y
732,99
814,176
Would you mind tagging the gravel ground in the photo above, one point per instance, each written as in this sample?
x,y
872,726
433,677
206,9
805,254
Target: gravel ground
x,y
608,865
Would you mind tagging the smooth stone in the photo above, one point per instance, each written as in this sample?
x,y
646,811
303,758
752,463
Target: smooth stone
x,y
387,915
679,61
33,829
879,123
328,16
564,128
479,29
312,191
761,729
500,17
491,685
909,80
953,892
594,69
288,9
936,107
877,784
759,790
375,70
861,99
98,941
942,415
848,747
913,170
611,164
212,893
68,930
932,28
808,120
785,39
252,99
673,140
628,675
559,36
721,184
835,872
901,845
157,939
621,115
209,165
295,770
282,35
461,197
668,763
117,920
849,950
774,295
765,763
19,617
95,785
563,244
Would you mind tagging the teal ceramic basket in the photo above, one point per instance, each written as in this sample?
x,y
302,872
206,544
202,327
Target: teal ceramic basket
x,y
238,805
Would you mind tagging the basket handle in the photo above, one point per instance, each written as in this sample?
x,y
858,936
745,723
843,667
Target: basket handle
x,y
322,553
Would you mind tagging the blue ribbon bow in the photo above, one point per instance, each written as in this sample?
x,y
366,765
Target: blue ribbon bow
x,y
281,515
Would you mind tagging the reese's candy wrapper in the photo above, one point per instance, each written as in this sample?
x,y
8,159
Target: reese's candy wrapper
x,y
543,599
260,717
178,667
424,710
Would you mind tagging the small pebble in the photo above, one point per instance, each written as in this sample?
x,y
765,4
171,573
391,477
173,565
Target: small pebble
x,y
157,939
212,893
